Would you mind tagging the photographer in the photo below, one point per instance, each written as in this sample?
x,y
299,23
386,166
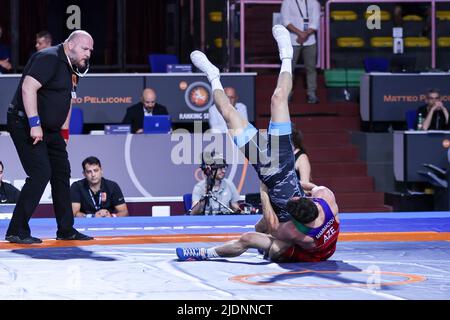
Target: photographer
x,y
435,114
215,194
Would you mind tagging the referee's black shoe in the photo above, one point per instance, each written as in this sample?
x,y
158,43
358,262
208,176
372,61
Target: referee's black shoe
x,y
76,236
25,240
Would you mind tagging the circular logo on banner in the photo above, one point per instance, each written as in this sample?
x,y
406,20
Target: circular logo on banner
x,y
183,85
446,143
198,96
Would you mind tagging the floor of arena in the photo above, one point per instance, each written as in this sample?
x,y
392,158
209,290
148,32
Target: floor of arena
x,y
380,256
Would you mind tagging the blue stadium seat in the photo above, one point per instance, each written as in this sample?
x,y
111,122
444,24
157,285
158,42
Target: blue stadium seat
x,y
159,62
76,121
372,64
411,119
187,201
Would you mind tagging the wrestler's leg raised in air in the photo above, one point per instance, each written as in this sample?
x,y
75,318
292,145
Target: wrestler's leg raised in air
x,y
280,123
235,123
279,104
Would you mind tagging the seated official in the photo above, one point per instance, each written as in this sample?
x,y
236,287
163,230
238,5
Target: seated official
x,y
5,55
96,196
8,193
434,113
147,107
302,164
218,186
217,123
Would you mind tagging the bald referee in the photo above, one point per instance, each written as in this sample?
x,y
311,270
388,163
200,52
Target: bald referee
x,y
38,121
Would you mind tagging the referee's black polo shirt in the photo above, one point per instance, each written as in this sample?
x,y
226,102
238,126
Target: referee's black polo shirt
x,y
79,192
51,69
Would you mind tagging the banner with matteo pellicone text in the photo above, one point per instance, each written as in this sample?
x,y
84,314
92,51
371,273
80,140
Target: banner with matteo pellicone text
x,y
391,95
104,98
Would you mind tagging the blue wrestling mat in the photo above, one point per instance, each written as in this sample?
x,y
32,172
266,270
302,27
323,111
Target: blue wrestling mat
x,y
380,256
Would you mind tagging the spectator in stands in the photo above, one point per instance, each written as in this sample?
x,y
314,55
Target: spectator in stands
x,y
96,196
214,167
146,107
435,114
8,193
5,55
43,40
302,18
302,165
216,121
422,10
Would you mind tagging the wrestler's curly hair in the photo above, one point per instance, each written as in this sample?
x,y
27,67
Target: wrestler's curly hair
x,y
303,210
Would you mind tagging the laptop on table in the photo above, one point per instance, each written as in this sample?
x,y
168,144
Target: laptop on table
x,y
157,124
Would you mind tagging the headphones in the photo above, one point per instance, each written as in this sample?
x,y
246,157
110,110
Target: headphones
x,y
212,161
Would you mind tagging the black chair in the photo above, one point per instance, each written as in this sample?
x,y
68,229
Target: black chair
x,y
411,119
76,121
159,62
376,64
440,179
401,64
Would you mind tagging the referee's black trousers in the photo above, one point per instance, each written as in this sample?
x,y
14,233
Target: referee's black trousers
x,y
46,161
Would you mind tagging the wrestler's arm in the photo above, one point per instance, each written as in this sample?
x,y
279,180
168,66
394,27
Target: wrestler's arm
x,y
269,215
308,186
326,194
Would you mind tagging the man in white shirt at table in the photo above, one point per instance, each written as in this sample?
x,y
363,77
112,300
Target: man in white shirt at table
x,y
216,122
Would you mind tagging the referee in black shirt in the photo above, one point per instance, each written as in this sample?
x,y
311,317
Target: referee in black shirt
x,y
38,121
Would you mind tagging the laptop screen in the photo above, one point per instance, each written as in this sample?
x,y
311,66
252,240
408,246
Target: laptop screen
x,y
157,124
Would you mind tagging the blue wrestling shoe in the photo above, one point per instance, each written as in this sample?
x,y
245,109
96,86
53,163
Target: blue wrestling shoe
x,y
191,254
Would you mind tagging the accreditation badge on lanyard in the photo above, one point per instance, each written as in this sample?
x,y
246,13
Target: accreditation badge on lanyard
x,y
304,17
97,205
74,86
305,24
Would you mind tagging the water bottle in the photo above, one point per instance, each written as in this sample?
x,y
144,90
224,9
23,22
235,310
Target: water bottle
x,y
420,122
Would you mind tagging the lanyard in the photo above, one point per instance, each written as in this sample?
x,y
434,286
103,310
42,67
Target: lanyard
x,y
96,205
77,72
300,10
74,78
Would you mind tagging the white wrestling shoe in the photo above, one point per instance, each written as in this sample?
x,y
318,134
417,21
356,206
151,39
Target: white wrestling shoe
x,y
283,38
200,60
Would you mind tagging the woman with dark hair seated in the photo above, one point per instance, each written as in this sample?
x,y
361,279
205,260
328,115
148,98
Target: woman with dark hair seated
x,y
302,164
